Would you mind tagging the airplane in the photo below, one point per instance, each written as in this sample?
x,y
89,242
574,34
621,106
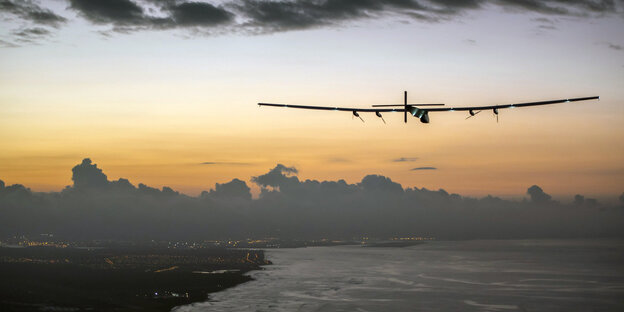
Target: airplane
x,y
421,111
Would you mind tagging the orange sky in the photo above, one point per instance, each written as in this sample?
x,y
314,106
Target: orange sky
x,y
151,107
556,147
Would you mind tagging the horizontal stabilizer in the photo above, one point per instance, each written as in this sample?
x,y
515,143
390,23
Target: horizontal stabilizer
x,y
390,105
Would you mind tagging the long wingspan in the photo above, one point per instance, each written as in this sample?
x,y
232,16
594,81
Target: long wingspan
x,y
420,111
446,109
436,109
345,109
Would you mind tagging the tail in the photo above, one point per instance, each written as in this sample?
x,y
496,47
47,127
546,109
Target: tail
x,y
405,106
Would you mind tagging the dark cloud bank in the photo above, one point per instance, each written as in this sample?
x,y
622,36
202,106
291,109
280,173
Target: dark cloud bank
x,y
282,15
97,208
268,16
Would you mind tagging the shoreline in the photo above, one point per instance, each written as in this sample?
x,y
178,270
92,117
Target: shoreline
x,y
118,280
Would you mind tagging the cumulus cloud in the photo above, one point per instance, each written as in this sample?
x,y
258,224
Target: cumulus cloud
x,y
538,195
278,176
97,208
377,183
580,200
88,175
235,189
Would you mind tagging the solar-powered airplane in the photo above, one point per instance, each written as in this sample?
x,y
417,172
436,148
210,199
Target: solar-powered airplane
x,y
421,111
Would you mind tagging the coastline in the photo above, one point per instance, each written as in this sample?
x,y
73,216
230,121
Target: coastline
x,y
118,280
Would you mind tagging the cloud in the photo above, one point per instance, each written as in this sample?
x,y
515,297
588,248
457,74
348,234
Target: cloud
x,y
557,7
277,177
199,14
128,15
97,208
377,183
545,23
405,159
124,12
32,32
613,46
543,20
580,200
547,27
339,160
423,168
31,17
32,12
537,194
235,189
269,16
30,35
7,44
88,175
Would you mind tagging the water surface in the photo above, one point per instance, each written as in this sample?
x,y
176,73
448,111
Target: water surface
x,y
519,275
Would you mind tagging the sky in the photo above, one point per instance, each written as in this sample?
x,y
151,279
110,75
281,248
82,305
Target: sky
x,y
164,92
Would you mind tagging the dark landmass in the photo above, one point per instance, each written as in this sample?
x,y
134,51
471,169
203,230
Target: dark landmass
x,y
395,244
290,243
137,279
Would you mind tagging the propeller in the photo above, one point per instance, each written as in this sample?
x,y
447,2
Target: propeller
x,y
495,111
472,113
355,113
379,115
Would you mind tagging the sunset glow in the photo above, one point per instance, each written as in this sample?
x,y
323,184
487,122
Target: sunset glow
x,y
153,106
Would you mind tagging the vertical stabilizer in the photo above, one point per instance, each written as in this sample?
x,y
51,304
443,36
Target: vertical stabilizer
x,y
405,106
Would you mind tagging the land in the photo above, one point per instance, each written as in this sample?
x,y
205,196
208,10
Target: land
x,y
393,244
49,273
118,279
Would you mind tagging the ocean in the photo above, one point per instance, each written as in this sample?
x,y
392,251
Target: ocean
x,y
480,275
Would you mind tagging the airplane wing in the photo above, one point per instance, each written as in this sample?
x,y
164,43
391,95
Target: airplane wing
x,y
441,109
477,108
421,110
344,109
